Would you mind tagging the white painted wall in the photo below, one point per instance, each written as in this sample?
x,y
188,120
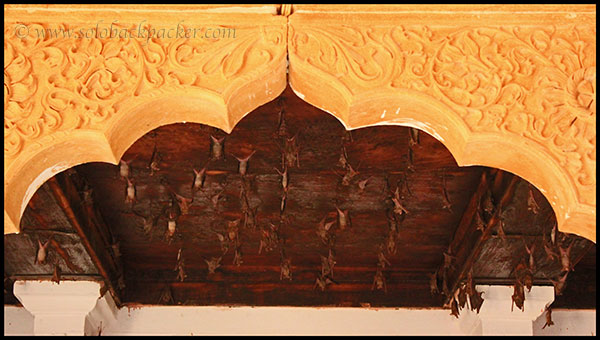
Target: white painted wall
x,y
158,320
279,320
17,321
567,322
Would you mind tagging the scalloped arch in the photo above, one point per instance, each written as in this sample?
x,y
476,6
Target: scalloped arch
x,y
70,101
494,95
517,94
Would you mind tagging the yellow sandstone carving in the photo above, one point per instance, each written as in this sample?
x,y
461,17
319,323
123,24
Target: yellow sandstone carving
x,y
511,86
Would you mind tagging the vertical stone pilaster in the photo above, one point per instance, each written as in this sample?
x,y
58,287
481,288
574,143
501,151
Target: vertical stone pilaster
x,y
496,317
68,308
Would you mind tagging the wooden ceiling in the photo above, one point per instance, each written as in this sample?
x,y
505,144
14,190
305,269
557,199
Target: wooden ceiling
x,y
102,236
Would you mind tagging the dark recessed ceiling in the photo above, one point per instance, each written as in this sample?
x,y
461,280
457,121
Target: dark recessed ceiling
x,y
148,261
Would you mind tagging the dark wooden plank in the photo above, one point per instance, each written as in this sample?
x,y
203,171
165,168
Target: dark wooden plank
x,y
476,239
93,243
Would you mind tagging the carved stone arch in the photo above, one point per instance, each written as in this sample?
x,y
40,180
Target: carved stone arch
x,y
515,75
71,100
510,88
52,155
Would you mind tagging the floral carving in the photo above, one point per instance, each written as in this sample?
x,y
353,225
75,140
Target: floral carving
x,y
55,83
536,82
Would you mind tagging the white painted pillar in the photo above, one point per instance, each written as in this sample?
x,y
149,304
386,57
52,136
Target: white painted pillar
x,y
495,316
62,309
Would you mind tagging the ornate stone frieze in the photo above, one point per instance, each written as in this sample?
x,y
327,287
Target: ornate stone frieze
x,y
73,69
507,84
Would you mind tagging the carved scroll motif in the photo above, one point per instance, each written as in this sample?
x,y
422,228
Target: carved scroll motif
x,y
532,81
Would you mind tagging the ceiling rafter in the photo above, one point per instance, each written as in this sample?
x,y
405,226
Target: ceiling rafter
x,y
92,233
468,240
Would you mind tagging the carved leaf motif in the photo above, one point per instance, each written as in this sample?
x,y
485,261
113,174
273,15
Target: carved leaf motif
x,y
537,82
54,82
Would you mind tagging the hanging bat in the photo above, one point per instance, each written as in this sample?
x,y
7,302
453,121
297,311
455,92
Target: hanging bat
x,y
392,221
284,177
233,230
518,297
454,308
116,249
148,224
553,233
243,166
470,285
391,243
42,252
56,274
549,321
217,148
445,289
560,284
565,258
526,279
264,241
530,252
433,284
130,193
290,155
283,200
448,258
166,296
379,281
179,267
488,205
349,175
250,218
343,218
447,205
323,282
223,242
403,182
550,253
462,297
282,126
124,168
382,261
500,233
343,160
88,195
153,165
398,207
183,202
524,275
181,275
199,177
286,269
215,200
476,301
531,202
170,232
413,137
479,222
213,264
269,238
410,165
237,257
363,184
327,264
323,229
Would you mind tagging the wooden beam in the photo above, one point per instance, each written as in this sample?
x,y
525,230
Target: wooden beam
x,y
468,241
93,240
